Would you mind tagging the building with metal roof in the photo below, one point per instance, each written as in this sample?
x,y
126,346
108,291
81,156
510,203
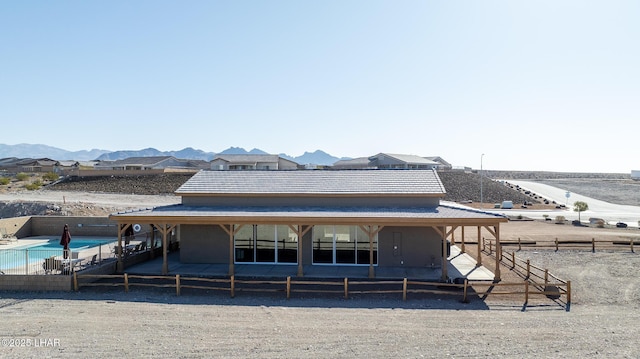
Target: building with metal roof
x,y
370,218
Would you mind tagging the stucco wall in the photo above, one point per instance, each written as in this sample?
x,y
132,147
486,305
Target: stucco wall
x,y
36,282
409,247
312,201
78,226
203,244
20,227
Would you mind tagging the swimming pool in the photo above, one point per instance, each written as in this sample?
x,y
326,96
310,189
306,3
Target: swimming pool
x,y
28,258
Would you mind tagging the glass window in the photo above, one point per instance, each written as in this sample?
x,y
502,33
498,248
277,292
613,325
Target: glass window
x,y
265,243
287,245
244,244
342,245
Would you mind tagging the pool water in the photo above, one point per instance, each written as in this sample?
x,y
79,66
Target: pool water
x,y
34,254
75,245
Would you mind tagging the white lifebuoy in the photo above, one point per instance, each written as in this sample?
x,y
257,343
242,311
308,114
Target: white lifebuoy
x,y
137,227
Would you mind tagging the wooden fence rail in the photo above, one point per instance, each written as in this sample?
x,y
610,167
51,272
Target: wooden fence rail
x,y
347,287
556,243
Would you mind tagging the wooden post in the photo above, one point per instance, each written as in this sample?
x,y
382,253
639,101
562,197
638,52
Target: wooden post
x,y
453,235
593,245
233,286
526,292
528,268
288,287
497,275
631,244
372,274
546,277
126,283
75,281
231,253
519,244
462,249
568,292
479,258
513,260
556,244
346,288
178,285
404,289
490,248
464,291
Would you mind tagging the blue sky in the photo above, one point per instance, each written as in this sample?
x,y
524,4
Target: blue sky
x,y
544,85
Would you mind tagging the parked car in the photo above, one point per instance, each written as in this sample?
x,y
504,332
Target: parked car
x,y
621,225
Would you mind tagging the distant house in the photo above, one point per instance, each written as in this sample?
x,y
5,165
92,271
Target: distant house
x,y
398,161
243,162
635,175
359,163
36,165
442,164
149,163
312,220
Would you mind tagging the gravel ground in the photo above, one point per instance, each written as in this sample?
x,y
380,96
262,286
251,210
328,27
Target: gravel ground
x,y
602,322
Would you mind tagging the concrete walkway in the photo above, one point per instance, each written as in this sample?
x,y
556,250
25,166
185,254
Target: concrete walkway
x,y
461,265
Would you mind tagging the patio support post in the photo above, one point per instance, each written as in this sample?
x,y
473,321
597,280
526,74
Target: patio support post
x,y
119,263
479,258
445,271
152,245
462,244
165,259
300,232
231,231
498,254
371,233
165,228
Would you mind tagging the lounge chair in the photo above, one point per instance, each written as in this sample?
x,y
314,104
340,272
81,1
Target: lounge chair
x,y
52,264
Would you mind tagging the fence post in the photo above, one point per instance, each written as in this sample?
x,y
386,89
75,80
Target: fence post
x,y
526,292
546,277
513,260
233,286
490,248
75,281
464,291
126,283
631,244
528,268
519,244
568,292
593,245
556,244
346,288
288,287
404,288
178,285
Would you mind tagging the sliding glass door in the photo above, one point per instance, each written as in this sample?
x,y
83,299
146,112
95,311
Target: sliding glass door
x,y
342,245
266,244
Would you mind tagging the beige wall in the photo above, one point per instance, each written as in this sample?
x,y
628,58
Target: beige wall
x,y
20,227
409,247
203,244
312,201
52,226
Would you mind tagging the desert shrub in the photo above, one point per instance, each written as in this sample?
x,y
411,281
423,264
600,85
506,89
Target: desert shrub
x,y
33,186
560,219
22,176
545,216
5,180
50,176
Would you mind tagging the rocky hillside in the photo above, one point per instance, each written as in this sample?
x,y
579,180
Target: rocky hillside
x,y
460,186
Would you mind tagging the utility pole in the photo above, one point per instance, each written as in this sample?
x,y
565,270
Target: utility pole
x,y
481,174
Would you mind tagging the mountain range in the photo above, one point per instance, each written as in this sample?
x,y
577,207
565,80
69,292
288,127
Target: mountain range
x,y
24,150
